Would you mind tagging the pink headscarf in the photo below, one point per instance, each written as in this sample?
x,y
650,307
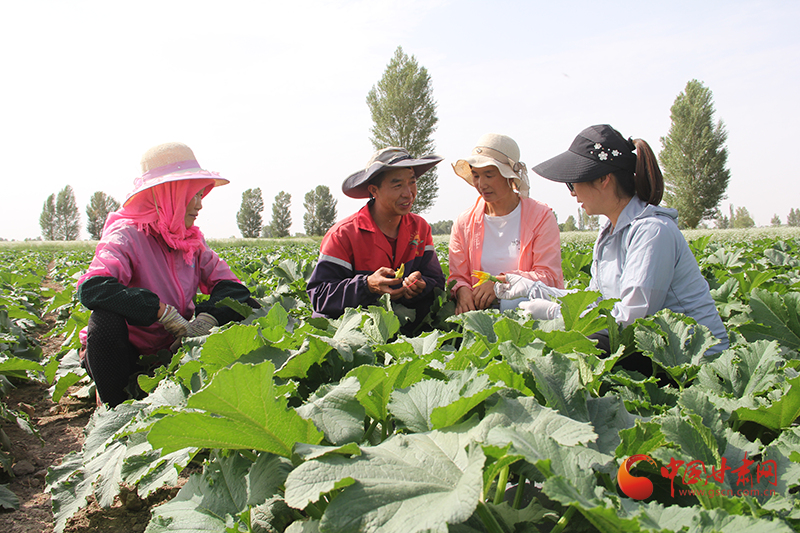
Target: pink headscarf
x,y
161,210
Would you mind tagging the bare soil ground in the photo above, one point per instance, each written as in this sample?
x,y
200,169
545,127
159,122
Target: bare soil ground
x,y
61,427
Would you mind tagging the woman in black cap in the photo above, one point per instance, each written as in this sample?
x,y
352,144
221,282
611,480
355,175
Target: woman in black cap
x,y
640,256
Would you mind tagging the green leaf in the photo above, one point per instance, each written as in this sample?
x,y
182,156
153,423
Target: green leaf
x,y
718,520
406,484
8,500
656,518
241,412
378,383
9,365
673,340
691,438
69,373
643,437
744,371
414,407
781,412
206,499
226,347
243,310
526,416
274,325
784,451
568,342
336,412
501,372
266,477
609,417
774,317
312,352
727,300
557,378
381,324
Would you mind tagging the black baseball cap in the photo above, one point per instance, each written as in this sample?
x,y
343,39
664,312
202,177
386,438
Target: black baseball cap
x,y
595,152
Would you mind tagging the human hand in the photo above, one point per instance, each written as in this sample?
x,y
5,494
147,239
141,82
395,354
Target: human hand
x,y
201,325
464,301
173,322
541,309
414,285
383,281
515,286
483,295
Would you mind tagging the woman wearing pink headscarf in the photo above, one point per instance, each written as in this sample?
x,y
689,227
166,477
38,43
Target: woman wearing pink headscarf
x,y
148,266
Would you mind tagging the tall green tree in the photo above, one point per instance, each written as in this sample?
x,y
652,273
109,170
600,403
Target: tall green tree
x,y
404,114
67,215
249,216
281,215
47,220
742,218
694,156
60,219
320,211
100,205
794,217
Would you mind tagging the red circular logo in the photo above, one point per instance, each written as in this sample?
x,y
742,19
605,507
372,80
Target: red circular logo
x,y
638,488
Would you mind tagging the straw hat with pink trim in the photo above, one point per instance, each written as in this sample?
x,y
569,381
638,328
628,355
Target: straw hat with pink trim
x,y
170,162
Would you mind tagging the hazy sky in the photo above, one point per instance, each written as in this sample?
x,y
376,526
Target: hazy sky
x,y
272,94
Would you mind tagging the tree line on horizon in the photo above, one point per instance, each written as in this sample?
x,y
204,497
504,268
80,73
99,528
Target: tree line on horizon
x,y
693,159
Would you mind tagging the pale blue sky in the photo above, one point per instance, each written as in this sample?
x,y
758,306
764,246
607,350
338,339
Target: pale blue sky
x,y
272,94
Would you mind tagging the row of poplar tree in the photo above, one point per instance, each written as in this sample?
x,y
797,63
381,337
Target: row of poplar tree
x,y
320,213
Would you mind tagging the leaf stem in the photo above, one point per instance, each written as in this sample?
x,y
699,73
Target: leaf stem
x,y
488,519
249,455
564,520
313,511
520,492
501,486
370,430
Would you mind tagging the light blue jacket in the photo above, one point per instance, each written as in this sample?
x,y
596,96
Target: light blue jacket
x,y
645,262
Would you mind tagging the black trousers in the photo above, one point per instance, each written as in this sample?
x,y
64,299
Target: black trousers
x,y
110,358
636,361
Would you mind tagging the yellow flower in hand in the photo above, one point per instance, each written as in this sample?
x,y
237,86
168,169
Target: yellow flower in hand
x,y
483,277
400,271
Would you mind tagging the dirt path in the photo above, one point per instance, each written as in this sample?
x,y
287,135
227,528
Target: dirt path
x,y
61,427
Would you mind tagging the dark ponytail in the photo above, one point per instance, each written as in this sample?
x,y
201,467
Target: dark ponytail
x,y
647,182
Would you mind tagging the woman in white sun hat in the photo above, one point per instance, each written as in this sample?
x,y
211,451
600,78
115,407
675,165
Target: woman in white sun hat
x,y
148,266
506,231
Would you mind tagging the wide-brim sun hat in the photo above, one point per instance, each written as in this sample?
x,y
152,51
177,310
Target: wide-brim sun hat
x,y
355,186
171,162
496,150
596,151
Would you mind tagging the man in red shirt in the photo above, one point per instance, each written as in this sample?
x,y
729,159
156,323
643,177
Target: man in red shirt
x,y
361,254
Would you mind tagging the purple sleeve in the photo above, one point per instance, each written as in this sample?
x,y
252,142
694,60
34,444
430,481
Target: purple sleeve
x,y
333,287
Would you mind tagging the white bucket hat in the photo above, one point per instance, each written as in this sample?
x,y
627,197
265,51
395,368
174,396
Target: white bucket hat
x,y
500,151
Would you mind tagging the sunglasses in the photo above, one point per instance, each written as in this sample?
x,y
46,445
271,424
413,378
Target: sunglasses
x,y
571,187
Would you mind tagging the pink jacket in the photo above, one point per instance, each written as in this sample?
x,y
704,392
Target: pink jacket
x,y
136,259
540,247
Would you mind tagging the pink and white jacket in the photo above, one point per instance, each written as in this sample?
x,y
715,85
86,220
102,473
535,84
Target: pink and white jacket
x,y
540,246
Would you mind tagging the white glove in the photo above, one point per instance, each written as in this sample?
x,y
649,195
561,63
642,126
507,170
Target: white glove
x,y
201,325
173,321
514,287
541,309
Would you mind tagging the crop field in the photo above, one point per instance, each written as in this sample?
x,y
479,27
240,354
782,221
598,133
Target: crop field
x,y
482,422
